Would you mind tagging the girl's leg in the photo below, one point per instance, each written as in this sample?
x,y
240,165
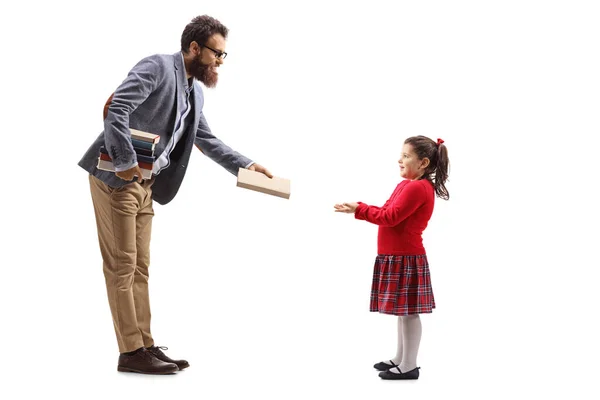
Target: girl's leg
x,y
411,339
398,359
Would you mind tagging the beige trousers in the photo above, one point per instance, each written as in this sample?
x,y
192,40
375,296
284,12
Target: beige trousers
x,y
124,222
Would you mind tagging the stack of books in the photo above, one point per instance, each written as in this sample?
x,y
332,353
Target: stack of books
x,y
143,144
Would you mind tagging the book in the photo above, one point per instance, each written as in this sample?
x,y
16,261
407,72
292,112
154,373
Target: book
x,y
143,152
259,182
140,157
141,164
109,166
142,144
138,150
144,136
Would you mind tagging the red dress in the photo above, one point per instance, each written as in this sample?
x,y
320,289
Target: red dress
x,y
401,277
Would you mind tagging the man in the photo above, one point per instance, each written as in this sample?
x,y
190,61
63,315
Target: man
x,y
159,96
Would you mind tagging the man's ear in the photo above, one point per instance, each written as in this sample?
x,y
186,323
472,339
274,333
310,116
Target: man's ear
x,y
194,46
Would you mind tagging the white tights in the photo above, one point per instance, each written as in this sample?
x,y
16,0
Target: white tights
x,y
409,338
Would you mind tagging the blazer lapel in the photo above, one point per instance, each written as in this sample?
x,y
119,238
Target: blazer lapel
x,y
198,103
181,78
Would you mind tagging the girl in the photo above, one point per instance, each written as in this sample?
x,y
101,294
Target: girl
x,y
401,281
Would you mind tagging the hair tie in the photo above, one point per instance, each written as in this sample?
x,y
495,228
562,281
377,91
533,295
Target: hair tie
x,y
440,141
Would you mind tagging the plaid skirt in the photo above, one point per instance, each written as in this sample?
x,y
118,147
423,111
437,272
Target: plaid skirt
x,y
401,285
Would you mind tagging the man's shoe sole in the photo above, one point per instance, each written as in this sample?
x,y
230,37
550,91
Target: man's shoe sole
x,y
125,369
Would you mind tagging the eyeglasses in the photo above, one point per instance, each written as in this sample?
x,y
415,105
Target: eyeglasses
x,y
218,53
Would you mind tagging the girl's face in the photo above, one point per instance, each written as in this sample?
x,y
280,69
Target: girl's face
x,y
410,165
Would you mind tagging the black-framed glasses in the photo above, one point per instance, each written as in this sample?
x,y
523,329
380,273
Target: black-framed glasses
x,y
218,53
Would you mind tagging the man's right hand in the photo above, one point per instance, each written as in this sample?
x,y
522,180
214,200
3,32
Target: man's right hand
x,y
129,174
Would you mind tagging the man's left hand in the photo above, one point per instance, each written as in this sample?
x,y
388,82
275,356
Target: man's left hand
x,y
261,169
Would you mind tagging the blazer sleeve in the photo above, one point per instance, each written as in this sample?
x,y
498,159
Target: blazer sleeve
x,y
218,151
406,202
142,80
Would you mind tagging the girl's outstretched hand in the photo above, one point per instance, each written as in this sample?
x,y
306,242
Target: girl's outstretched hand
x,y
346,207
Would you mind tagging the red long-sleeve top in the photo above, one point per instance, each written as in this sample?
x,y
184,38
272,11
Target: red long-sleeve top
x,y
402,219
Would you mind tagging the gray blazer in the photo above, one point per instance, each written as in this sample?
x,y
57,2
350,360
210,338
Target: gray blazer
x,y
150,99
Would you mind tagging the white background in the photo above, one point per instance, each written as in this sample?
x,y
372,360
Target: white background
x,y
268,298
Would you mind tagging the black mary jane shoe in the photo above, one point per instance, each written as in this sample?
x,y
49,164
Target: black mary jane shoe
x,y
412,374
383,366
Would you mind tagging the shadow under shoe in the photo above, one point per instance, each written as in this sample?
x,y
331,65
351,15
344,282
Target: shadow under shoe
x,y
157,351
412,374
144,362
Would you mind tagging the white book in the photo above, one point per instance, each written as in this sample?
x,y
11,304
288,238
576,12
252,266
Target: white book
x,y
144,136
109,166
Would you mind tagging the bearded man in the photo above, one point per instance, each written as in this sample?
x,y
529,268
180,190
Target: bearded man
x,y
161,95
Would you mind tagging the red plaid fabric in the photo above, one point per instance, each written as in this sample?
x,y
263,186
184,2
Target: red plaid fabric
x,y
401,285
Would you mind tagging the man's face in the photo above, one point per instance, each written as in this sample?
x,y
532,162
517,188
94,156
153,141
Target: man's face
x,y
205,63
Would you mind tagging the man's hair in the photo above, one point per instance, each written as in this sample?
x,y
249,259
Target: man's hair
x,y
200,29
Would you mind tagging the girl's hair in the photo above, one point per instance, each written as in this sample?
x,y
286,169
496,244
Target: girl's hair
x,y
200,29
437,170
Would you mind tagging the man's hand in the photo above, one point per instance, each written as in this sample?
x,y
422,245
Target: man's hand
x,y
129,174
261,169
346,207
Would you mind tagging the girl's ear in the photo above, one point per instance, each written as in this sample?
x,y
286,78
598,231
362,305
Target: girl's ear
x,y
425,163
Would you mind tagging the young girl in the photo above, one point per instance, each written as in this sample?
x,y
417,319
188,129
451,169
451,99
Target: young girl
x,y
401,282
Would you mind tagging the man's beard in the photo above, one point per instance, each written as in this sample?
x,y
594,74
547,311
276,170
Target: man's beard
x,y
203,73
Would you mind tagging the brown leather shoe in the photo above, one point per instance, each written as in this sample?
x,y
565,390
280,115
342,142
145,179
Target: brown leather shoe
x,y
157,352
144,362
